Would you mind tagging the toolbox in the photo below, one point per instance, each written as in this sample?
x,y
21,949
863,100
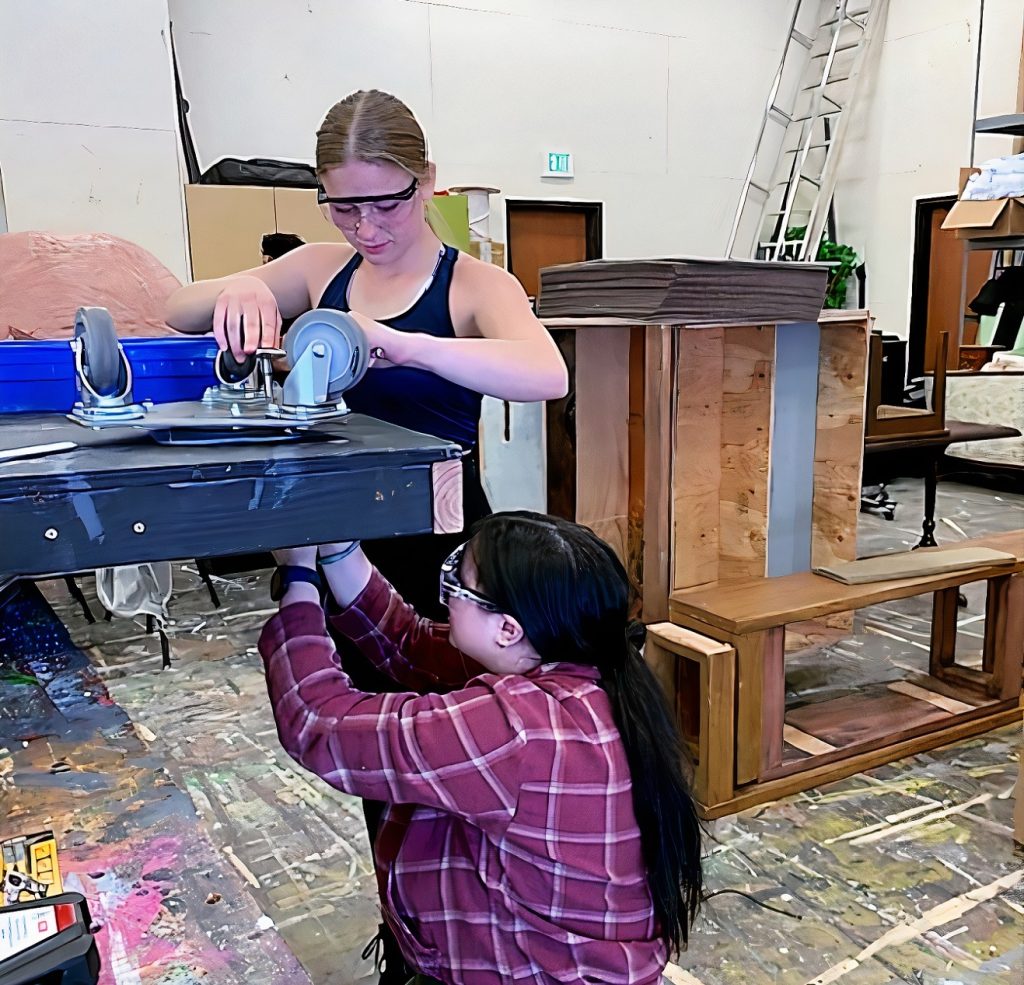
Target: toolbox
x,y
38,376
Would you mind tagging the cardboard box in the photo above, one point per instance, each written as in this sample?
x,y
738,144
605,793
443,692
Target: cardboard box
x,y
996,219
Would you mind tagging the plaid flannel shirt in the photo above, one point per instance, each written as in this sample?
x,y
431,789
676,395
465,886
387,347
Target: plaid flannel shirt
x,y
509,851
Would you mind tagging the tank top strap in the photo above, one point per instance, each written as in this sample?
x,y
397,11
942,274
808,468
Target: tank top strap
x,y
336,293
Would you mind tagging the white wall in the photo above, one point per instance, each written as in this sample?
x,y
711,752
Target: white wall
x,y
658,100
911,132
87,126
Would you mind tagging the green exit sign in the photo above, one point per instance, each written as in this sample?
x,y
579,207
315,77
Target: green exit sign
x,y
557,164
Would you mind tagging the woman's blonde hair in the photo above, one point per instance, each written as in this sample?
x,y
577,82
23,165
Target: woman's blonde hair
x,y
375,127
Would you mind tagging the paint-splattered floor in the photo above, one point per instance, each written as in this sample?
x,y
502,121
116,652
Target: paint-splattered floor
x,y
906,874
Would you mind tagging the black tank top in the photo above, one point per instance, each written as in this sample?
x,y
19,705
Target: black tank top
x,y
414,398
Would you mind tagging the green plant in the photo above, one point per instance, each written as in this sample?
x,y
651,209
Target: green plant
x,y
844,262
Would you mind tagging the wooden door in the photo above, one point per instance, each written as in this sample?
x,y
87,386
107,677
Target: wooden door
x,y
541,236
946,278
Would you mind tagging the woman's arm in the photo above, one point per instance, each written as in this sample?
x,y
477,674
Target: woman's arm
x,y
412,650
514,359
460,752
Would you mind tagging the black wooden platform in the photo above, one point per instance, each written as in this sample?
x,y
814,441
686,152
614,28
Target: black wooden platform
x,y
120,498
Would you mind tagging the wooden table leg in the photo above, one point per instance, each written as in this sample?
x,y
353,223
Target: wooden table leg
x,y
761,702
1003,651
943,644
931,480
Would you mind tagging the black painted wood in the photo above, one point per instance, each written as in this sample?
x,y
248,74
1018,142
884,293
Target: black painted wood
x,y
122,499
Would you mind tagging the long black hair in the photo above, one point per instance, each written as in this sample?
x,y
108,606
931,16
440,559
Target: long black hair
x,y
570,593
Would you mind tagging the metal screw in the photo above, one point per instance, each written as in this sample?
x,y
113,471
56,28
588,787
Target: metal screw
x,y
51,533
138,527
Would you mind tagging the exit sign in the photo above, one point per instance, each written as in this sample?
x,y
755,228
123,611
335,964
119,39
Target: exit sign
x,y
557,164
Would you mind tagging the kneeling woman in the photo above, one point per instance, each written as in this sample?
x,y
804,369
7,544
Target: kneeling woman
x,y
539,828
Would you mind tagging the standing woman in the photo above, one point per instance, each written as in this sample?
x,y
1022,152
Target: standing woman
x,y
450,327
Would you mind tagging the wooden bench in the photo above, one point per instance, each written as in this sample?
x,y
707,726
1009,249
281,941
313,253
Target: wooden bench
x,y
775,753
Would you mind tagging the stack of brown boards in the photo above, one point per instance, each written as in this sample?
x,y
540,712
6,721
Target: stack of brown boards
x,y
684,291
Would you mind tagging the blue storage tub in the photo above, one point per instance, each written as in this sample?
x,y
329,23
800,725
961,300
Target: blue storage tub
x,y
39,376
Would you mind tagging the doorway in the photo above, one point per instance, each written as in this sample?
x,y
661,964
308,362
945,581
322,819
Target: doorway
x,y
540,233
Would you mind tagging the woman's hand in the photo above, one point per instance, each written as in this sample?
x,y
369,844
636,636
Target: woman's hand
x,y
391,345
246,317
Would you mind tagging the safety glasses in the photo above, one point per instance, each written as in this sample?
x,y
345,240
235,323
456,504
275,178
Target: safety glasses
x,y
349,212
452,587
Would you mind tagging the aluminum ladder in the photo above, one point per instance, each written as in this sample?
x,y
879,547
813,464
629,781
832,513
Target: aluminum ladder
x,y
792,174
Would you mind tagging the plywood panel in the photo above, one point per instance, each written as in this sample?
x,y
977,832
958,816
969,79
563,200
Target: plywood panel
x,y
696,472
657,477
839,445
297,212
602,434
226,226
748,361
862,717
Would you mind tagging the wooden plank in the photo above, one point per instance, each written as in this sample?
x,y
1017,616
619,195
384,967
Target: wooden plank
x,y
446,478
715,766
754,604
658,435
696,470
760,702
769,790
871,713
602,434
667,647
945,607
687,642
898,731
805,742
839,443
1003,653
932,697
748,369
934,685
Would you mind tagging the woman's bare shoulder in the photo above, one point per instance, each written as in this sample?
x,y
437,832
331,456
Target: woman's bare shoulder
x,y
475,275
320,262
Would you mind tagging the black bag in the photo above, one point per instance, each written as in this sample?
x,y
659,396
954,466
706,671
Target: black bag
x,y
260,171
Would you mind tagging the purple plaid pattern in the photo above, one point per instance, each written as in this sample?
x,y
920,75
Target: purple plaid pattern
x,y
509,851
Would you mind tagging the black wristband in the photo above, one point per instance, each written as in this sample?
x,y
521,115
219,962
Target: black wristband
x,y
287,575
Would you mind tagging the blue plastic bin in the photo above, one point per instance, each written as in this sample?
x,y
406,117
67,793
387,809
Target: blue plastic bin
x,y
39,376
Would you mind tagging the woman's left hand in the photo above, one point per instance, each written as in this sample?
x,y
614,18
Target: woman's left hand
x,y
299,557
391,344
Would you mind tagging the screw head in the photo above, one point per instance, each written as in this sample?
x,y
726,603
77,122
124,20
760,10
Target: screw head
x,y
138,527
51,533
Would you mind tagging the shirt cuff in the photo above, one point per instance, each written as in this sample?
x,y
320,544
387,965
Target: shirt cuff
x,y
291,621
